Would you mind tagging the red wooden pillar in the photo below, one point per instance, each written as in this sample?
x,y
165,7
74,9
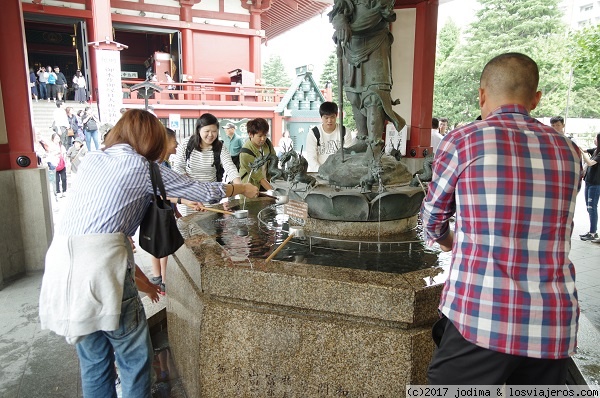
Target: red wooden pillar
x,y
255,42
16,128
187,40
256,8
99,29
424,66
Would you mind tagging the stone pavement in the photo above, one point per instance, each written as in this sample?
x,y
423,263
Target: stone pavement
x,y
36,363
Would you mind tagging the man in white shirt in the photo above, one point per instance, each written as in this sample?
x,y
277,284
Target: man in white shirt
x,y
61,124
324,140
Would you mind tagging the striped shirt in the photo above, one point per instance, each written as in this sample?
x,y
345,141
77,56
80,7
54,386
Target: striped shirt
x,y
512,182
200,164
113,191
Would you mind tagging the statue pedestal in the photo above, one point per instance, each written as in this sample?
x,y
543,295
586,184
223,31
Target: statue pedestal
x,y
251,328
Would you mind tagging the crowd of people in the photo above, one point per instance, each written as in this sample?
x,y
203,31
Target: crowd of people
x,y
50,84
71,137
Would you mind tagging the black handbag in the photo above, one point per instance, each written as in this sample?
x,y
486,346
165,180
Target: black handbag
x,y
159,234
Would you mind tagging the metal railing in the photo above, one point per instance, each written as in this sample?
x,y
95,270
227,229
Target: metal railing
x,y
208,94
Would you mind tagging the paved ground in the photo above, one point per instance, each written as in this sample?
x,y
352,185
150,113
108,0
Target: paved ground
x,y
35,363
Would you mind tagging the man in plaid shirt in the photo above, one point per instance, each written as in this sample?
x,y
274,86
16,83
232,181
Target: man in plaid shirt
x,y
509,307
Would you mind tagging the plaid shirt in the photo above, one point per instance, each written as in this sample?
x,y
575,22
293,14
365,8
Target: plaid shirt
x,y
512,182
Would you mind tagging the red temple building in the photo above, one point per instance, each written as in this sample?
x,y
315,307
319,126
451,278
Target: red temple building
x,y
211,48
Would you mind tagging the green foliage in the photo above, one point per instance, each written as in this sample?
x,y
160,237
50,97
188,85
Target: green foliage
x,y
330,74
447,41
532,27
584,102
586,57
274,74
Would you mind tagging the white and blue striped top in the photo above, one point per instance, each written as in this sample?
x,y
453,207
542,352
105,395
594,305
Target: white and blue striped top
x,y
113,191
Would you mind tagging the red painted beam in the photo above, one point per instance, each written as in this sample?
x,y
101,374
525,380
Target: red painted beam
x,y
167,10
128,5
167,23
221,15
59,11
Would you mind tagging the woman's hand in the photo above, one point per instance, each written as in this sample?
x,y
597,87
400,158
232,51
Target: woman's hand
x,y
197,206
248,190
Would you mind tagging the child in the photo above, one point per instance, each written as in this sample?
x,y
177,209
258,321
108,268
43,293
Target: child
x,y
258,145
159,265
59,156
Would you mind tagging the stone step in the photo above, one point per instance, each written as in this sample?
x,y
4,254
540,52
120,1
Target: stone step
x,y
43,114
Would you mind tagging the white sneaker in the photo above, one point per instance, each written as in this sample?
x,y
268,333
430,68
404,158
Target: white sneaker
x,y
597,240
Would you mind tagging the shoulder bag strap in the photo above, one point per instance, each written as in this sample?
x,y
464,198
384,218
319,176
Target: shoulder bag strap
x,y
156,179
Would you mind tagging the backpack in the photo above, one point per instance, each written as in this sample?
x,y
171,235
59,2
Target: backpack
x,y
216,158
317,134
91,125
51,78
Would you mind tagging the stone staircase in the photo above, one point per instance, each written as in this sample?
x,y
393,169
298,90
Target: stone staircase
x,y
43,115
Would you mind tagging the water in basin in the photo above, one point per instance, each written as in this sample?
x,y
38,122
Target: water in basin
x,y
267,227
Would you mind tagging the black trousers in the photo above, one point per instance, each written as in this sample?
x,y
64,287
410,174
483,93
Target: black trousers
x,y
457,361
61,177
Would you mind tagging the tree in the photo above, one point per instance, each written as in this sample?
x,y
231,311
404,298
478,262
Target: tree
x,y
330,73
274,74
532,27
586,57
448,40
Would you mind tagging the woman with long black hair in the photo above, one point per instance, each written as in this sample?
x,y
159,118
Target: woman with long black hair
x,y
592,189
203,156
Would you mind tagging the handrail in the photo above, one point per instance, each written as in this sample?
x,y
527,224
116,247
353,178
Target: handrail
x,y
209,94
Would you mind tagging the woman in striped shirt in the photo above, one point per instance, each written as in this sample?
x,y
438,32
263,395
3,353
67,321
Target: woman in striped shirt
x,y
90,287
203,156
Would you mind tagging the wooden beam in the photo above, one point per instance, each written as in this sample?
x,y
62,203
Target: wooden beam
x,y
292,4
128,5
168,23
59,11
220,15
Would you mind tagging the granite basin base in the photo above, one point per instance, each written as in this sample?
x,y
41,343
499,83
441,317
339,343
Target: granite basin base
x,y
252,328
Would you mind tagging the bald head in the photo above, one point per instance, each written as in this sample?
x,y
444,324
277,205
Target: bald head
x,y
510,78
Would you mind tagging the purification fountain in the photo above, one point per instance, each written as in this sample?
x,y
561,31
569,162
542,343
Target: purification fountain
x,y
327,317
344,310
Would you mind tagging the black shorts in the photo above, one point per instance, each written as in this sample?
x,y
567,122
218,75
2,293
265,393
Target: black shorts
x,y
457,361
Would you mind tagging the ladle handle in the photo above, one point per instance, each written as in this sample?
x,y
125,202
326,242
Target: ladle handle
x,y
215,210
285,242
266,195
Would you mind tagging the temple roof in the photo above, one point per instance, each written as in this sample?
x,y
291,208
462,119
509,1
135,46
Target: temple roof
x,y
284,15
287,14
